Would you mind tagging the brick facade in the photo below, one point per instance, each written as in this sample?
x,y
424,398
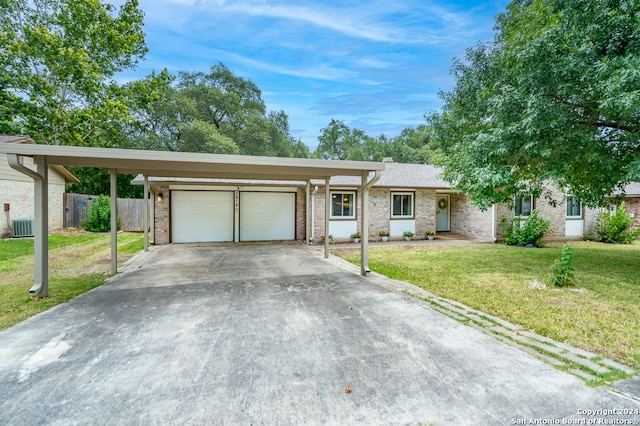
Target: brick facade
x,y
161,226
469,220
465,219
556,214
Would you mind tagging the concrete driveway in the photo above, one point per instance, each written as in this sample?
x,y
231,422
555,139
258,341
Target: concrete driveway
x,y
269,334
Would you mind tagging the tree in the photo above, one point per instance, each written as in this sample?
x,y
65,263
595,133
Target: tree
x,y
58,58
339,142
413,145
554,98
215,112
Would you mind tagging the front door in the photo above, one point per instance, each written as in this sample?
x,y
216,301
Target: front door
x,y
442,213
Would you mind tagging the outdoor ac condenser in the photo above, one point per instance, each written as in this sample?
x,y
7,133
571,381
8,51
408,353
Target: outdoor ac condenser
x,y
22,228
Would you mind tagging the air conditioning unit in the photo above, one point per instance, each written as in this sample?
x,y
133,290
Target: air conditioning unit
x,y
22,228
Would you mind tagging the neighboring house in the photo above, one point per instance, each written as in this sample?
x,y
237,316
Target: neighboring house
x,y
17,192
408,197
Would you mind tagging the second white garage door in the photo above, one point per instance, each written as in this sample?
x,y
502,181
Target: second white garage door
x,y
267,216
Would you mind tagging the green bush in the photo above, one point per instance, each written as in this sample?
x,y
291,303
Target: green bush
x,y
99,216
563,268
616,228
531,232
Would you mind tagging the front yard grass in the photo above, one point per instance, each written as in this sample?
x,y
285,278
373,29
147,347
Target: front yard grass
x,y
78,262
601,313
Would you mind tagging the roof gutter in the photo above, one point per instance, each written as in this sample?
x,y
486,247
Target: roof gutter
x,y
14,162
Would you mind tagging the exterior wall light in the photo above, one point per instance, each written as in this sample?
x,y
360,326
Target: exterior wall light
x,y
160,197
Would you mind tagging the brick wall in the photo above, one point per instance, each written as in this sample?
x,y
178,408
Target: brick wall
x,y
425,211
162,231
20,196
469,220
380,211
555,214
301,212
632,205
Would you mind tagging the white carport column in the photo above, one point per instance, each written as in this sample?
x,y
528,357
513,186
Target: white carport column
x,y
114,220
307,213
146,213
41,216
41,236
364,221
327,210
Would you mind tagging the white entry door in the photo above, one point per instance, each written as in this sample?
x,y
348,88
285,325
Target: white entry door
x,y
267,216
202,216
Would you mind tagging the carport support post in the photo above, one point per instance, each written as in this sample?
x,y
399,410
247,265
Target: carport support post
x,y
327,201
364,227
307,212
41,235
146,213
114,221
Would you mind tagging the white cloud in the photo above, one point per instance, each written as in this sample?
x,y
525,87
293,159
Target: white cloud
x,y
319,71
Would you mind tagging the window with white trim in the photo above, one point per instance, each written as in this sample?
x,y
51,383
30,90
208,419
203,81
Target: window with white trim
x,y
343,205
523,205
402,204
574,206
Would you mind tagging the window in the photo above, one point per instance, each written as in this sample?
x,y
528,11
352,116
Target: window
x,y
523,205
402,204
574,207
342,205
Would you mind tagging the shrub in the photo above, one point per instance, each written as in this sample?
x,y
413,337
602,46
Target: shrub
x,y
99,216
616,228
563,268
531,232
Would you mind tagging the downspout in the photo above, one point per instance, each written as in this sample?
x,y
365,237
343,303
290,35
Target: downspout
x,y
364,227
40,240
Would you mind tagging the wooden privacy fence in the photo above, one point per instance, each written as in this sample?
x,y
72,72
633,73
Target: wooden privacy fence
x,y
130,211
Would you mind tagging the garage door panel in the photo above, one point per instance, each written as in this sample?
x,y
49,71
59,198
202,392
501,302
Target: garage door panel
x,y
266,216
201,216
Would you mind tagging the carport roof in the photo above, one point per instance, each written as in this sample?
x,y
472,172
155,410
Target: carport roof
x,y
184,164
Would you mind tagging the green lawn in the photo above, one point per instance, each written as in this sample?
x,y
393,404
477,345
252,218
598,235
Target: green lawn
x,y
601,313
78,262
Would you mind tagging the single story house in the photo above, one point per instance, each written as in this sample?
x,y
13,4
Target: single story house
x,y
17,191
407,197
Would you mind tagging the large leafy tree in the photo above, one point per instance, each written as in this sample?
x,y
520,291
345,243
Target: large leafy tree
x,y
338,141
58,60
554,98
214,112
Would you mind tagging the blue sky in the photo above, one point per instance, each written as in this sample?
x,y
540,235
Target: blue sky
x,y
377,65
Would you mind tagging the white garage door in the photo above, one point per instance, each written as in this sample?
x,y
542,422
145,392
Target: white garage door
x,y
201,216
267,216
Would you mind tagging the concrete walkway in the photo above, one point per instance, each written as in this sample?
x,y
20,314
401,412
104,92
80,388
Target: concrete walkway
x,y
270,334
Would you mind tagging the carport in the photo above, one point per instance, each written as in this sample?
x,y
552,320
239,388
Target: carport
x,y
175,164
